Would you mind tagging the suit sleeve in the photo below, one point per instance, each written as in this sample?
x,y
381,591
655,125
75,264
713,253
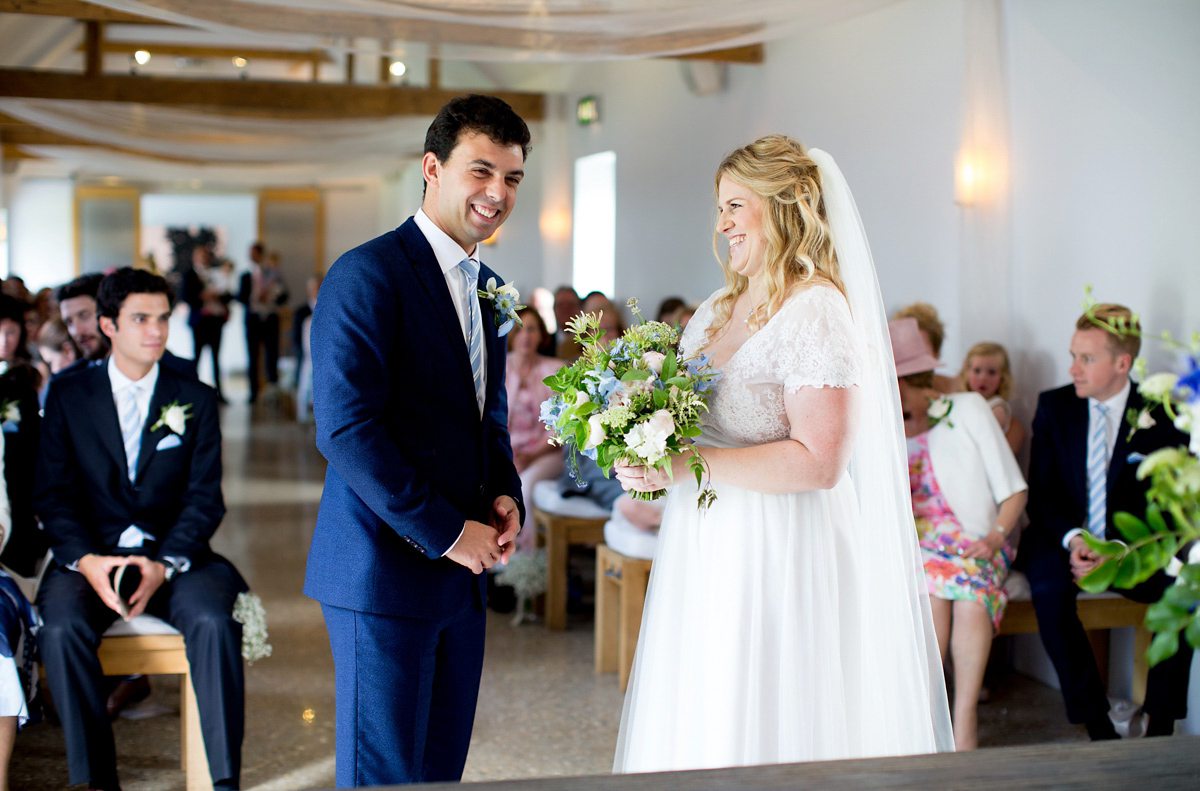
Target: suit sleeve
x,y
203,504
354,334
1049,508
501,469
55,493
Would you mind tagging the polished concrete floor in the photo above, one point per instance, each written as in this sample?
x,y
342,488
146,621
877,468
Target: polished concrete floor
x,y
542,710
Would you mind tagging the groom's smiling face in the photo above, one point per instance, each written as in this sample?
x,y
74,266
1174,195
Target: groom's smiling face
x,y
471,194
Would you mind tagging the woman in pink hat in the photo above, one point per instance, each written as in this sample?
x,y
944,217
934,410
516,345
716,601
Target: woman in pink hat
x,y
967,494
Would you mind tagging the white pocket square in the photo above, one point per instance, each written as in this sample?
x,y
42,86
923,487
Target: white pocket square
x,y
168,442
1135,458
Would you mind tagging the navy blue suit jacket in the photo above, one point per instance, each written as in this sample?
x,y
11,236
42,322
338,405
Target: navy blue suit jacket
x,y
410,459
1058,490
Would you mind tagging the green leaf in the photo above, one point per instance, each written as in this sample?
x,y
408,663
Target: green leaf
x,y
1190,573
1184,596
1148,555
1154,519
1127,571
1108,549
1099,578
1131,527
585,409
1164,646
678,381
1162,617
670,366
660,399
1193,631
635,374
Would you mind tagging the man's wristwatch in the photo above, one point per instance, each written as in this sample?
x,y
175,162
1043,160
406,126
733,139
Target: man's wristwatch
x,y
173,566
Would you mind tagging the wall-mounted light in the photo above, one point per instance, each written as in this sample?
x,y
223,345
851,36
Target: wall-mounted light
x,y
240,64
555,223
397,68
142,57
587,111
974,177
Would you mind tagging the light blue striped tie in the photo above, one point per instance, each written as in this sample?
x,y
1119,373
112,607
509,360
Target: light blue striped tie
x,y
131,428
1097,468
470,269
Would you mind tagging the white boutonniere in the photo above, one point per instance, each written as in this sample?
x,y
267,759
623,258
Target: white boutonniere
x,y
174,417
10,411
939,411
504,305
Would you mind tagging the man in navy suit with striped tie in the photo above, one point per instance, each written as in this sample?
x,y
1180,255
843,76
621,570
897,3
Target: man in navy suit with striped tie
x,y
1082,470
421,494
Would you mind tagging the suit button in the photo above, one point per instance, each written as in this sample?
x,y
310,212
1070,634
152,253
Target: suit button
x,y
482,489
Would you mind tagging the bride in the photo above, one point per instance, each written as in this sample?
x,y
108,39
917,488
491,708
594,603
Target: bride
x,y
788,622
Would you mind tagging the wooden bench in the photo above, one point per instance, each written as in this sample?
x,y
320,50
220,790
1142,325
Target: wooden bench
x,y
1098,612
563,524
620,596
150,646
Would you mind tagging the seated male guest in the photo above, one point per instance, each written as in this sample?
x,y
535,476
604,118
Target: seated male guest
x,y
77,306
1082,470
129,474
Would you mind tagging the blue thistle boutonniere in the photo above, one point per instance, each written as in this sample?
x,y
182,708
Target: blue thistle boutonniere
x,y
504,305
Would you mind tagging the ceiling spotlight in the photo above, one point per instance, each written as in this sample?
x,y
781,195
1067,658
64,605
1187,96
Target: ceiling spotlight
x,y
142,57
239,61
397,68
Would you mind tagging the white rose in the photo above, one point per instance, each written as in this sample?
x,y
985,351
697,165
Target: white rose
x,y
1159,385
175,419
1145,421
939,408
619,397
654,361
662,423
596,433
12,412
510,290
581,398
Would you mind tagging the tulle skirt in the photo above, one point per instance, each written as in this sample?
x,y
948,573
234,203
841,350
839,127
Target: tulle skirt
x,y
771,635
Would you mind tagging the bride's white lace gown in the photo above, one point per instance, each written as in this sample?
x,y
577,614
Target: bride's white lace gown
x,y
769,633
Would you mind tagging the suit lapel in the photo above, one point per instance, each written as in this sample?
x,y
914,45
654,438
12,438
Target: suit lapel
x,y
1121,449
166,390
1077,440
430,275
104,413
495,344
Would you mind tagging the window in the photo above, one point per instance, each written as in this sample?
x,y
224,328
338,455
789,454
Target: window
x,y
595,226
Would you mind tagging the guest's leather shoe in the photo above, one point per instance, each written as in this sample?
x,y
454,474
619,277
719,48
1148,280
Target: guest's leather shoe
x,y
127,692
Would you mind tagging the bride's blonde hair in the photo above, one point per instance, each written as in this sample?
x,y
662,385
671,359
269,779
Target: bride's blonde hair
x,y
799,245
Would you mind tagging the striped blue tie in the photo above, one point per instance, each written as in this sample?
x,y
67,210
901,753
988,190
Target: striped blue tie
x,y
131,428
470,269
1097,468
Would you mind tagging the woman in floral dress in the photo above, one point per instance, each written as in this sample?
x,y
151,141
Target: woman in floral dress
x,y
967,494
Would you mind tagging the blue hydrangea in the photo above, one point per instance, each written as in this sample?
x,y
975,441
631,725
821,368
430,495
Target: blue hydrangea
x,y
1191,380
551,409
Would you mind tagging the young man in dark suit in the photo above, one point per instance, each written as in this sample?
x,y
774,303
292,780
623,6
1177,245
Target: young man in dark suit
x,y
129,474
1082,470
421,494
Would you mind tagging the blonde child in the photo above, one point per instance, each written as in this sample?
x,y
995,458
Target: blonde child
x,y
986,371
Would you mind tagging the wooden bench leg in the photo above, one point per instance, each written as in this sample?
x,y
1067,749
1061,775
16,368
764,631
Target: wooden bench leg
x,y
633,601
195,759
556,580
608,615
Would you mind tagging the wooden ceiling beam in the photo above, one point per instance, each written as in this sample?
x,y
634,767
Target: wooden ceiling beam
x,y
195,51
332,100
751,53
74,9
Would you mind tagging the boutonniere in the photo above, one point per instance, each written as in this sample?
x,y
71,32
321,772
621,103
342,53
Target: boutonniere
x,y
10,411
504,305
939,411
174,417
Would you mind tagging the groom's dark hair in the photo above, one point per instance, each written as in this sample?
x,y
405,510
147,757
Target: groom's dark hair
x,y
123,282
476,113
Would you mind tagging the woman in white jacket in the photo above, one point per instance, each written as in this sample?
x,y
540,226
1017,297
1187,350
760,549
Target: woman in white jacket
x,y
967,494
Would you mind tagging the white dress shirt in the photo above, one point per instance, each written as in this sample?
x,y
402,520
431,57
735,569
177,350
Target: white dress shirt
x,y
1115,417
133,536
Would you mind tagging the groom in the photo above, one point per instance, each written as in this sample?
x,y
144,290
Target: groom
x,y
421,495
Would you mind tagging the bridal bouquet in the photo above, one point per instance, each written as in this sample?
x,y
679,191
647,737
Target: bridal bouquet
x,y
632,401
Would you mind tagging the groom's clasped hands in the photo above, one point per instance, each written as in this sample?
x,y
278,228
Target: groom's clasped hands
x,y
482,546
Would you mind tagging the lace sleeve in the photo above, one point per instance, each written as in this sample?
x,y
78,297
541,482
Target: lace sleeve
x,y
692,340
815,344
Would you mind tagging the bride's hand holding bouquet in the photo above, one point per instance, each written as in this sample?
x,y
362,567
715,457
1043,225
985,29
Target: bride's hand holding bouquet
x,y
631,404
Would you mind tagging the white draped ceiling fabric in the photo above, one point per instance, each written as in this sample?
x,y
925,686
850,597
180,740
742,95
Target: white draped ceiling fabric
x,y
522,30
173,140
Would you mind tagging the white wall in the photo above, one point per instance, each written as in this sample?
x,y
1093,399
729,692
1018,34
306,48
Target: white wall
x,y
351,218
41,228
